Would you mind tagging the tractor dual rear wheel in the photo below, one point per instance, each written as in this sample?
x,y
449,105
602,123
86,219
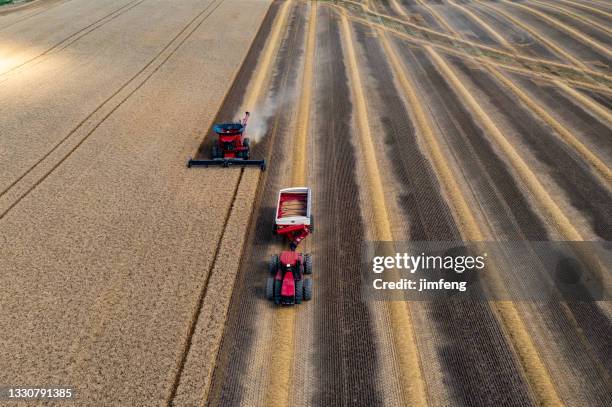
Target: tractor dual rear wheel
x,y
274,264
299,291
307,289
270,288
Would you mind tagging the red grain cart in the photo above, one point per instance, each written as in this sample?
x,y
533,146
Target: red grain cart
x,y
293,215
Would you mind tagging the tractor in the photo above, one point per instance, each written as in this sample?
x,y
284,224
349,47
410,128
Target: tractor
x,y
293,220
287,284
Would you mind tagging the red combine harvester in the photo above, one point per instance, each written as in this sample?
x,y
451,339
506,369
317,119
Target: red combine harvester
x,y
231,147
287,285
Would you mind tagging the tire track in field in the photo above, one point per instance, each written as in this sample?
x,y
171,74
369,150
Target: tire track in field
x,y
515,34
106,300
494,34
238,378
74,37
33,14
535,34
587,7
544,68
561,40
585,193
576,17
435,16
246,90
99,115
582,179
567,137
345,359
453,324
588,314
563,132
452,35
560,220
535,371
282,370
460,20
564,27
412,384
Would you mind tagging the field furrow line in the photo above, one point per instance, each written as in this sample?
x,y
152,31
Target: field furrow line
x,y
74,37
535,371
540,37
561,221
106,300
28,16
571,31
64,148
193,379
575,16
589,103
602,168
411,378
586,7
591,158
579,73
346,327
500,39
281,368
436,16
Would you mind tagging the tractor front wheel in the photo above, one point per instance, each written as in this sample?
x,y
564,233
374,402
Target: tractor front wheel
x,y
299,291
270,288
307,289
278,285
307,264
274,264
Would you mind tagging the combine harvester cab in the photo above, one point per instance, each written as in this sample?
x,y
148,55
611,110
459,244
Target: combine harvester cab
x,y
231,147
287,284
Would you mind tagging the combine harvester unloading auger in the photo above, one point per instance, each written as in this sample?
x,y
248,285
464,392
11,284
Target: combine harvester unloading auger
x,y
288,284
231,147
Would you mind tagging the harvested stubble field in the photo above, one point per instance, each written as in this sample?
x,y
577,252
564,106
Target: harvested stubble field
x,y
139,282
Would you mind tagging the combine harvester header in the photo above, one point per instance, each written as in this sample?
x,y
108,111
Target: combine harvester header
x,y
231,147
